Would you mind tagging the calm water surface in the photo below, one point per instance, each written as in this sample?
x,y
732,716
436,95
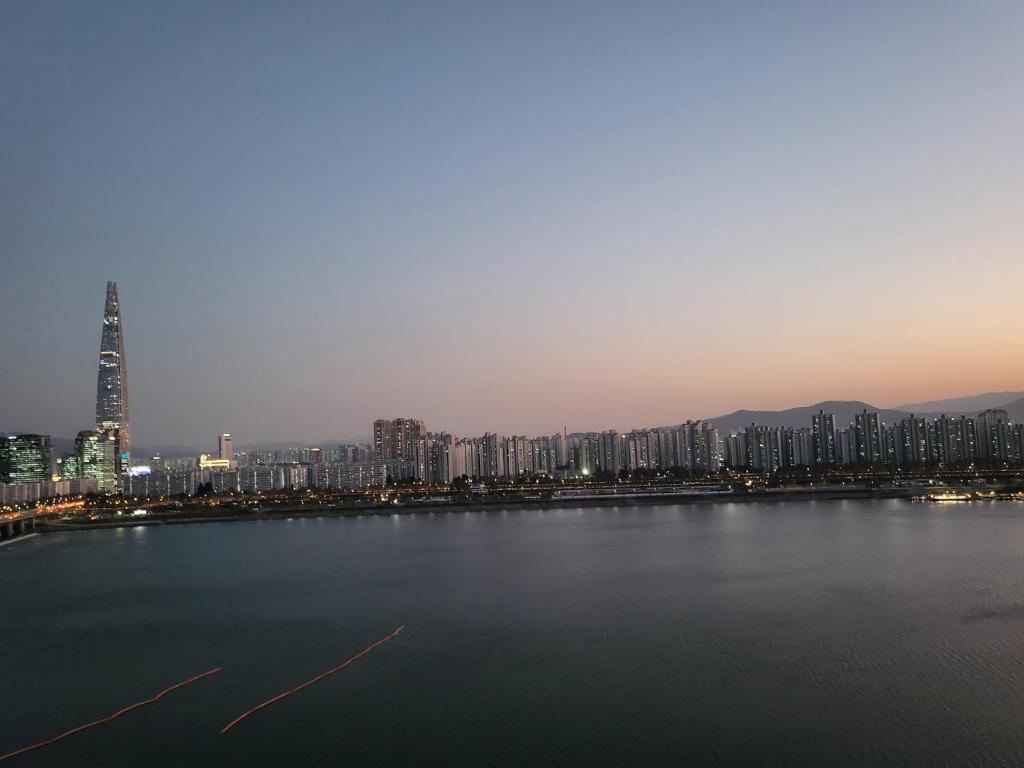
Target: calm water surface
x,y
806,634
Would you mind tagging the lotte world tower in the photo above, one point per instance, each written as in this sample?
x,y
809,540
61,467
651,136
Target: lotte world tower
x,y
111,383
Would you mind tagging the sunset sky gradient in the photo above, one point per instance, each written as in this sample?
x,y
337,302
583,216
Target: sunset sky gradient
x,y
506,217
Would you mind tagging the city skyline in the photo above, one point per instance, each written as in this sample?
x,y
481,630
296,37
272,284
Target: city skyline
x,y
112,407
615,220
394,439
403,449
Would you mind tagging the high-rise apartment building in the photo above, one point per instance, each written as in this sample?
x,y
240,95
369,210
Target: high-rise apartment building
x,y
397,439
846,447
868,438
434,463
913,442
111,382
993,435
823,429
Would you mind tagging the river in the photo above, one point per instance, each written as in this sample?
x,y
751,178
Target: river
x,y
846,633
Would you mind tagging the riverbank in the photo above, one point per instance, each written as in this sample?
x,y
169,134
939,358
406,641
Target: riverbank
x,y
16,539
433,506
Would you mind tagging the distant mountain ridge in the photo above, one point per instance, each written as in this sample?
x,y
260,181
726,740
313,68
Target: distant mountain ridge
x,y
1015,409
970,404
844,411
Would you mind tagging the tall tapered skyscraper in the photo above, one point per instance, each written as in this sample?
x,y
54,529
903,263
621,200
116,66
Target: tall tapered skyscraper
x,y
111,383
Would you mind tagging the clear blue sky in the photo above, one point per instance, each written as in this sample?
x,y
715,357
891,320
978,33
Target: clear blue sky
x,y
506,217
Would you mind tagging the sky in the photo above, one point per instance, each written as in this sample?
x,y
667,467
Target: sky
x,y
505,216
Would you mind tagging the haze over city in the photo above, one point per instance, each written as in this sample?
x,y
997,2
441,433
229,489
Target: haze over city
x,y
506,221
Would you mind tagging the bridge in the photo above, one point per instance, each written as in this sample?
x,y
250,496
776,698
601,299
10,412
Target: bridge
x,y
13,524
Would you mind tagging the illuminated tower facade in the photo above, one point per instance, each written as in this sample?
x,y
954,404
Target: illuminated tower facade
x,y
111,383
224,447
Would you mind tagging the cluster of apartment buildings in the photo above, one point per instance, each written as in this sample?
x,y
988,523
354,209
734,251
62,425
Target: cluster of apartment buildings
x,y
413,453
991,438
404,450
410,451
254,477
13,494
